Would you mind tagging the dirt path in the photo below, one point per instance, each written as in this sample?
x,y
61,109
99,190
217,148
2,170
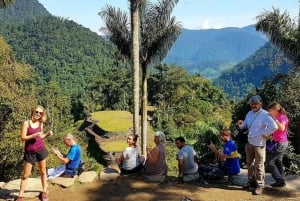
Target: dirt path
x,y
137,189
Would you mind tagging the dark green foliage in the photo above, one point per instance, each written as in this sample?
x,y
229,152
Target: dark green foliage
x,y
17,98
11,157
186,105
211,51
291,161
201,146
60,50
249,74
17,89
112,91
21,10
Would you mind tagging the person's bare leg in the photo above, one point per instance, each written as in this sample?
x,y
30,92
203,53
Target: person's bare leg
x,y
25,175
43,173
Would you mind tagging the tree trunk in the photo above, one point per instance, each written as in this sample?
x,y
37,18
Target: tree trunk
x,y
144,108
135,62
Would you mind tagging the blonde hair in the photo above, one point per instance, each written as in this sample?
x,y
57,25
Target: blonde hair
x,y
276,106
43,115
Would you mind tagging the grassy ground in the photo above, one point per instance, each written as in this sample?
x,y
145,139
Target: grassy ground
x,y
121,122
114,121
116,145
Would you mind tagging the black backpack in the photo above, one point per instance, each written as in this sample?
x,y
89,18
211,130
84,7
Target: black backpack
x,y
212,172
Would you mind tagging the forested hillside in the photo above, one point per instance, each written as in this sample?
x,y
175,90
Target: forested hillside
x,y
23,10
60,50
208,52
57,48
249,74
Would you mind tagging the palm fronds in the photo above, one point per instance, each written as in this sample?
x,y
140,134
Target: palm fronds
x,y
117,28
282,31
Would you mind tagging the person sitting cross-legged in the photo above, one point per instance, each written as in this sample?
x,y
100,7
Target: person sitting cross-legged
x,y
73,158
187,161
155,168
230,156
130,161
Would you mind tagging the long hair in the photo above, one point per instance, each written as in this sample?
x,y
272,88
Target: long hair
x,y
134,137
277,106
43,115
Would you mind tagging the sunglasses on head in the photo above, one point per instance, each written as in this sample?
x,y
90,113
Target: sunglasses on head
x,y
38,112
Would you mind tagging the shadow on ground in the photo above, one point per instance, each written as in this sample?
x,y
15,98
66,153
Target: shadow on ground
x,y
127,188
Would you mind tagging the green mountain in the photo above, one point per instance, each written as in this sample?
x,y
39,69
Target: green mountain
x,y
211,51
23,10
250,73
58,49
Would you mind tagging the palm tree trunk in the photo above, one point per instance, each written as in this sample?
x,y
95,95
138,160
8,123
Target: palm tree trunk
x,y
144,108
135,62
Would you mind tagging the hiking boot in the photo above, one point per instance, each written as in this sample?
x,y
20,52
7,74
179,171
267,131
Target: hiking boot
x,y
252,184
230,180
246,186
19,199
278,184
44,196
258,191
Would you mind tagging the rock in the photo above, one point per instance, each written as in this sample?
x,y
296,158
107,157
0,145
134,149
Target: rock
x,y
2,184
109,174
87,177
64,182
33,187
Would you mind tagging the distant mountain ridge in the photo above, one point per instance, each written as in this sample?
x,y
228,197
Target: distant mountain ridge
x,y
250,73
207,52
211,51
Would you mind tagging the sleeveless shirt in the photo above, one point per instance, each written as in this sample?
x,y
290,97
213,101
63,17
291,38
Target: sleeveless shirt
x,y
36,144
160,167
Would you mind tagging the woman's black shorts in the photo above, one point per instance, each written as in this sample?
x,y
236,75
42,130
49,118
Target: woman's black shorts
x,y
33,157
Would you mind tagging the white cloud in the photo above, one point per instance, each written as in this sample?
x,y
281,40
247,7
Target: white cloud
x,y
209,24
200,22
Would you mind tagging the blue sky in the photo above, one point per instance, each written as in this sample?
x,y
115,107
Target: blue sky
x,y
193,14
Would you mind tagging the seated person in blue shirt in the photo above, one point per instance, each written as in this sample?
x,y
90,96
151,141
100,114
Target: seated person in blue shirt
x,y
72,159
230,156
